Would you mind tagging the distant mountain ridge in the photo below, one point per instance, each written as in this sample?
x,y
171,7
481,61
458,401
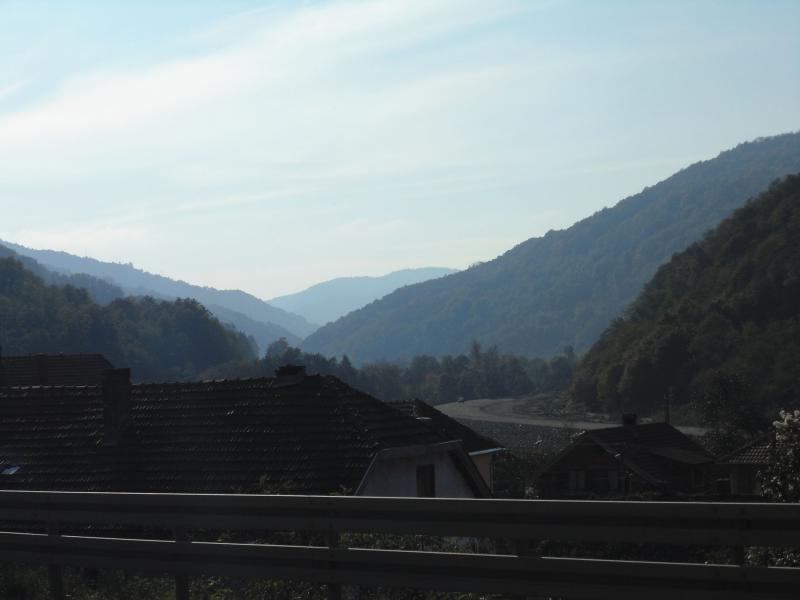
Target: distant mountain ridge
x,y
566,287
100,290
103,292
238,307
329,300
158,340
263,332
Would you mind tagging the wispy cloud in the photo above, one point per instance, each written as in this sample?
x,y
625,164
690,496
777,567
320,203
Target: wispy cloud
x,y
292,96
11,88
400,120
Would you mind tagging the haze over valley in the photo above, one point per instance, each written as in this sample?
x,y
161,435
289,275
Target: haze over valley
x,y
298,298
517,324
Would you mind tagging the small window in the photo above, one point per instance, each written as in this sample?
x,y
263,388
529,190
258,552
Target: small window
x,y
577,480
698,478
613,480
426,481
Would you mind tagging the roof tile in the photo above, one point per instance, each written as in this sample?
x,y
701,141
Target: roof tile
x,y
217,436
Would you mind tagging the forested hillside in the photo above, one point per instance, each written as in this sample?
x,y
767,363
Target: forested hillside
x,y
158,340
722,317
100,290
562,289
263,332
137,282
329,300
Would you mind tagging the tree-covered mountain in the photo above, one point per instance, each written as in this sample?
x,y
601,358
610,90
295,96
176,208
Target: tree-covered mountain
x,y
136,282
263,332
158,340
329,300
100,290
566,287
719,323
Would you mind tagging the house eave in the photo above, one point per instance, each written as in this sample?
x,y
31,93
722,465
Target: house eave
x,y
454,448
488,451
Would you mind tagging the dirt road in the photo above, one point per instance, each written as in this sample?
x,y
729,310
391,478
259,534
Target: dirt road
x,y
524,412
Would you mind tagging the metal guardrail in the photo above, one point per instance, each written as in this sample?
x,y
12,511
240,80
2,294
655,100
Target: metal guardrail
x,y
40,523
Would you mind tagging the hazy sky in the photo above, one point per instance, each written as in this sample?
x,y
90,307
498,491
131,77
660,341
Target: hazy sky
x,y
269,146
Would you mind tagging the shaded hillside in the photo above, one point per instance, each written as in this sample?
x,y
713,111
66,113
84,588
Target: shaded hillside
x,y
566,287
725,310
264,333
329,300
158,340
101,291
136,282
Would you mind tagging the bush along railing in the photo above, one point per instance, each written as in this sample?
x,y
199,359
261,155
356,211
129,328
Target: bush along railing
x,y
164,533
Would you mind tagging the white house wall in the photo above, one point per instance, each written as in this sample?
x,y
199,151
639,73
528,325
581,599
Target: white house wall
x,y
397,475
483,462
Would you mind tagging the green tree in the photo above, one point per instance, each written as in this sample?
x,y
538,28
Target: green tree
x,y
781,479
158,340
728,413
780,482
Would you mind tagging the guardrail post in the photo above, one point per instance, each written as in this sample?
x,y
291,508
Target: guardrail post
x,y
739,557
334,589
522,547
738,550
181,579
55,573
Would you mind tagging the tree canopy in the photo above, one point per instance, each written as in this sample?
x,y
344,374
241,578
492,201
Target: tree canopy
x,y
727,306
158,340
478,374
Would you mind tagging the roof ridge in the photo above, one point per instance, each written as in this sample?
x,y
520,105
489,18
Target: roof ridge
x,y
59,354
59,386
225,381
626,459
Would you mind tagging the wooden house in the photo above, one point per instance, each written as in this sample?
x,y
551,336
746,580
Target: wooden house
x,y
628,460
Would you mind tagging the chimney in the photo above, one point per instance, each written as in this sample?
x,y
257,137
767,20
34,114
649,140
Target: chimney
x,y
116,404
629,419
289,375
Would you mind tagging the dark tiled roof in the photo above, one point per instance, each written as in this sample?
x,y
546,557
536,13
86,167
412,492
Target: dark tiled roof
x,y
654,450
317,436
53,435
754,453
53,369
656,437
447,427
